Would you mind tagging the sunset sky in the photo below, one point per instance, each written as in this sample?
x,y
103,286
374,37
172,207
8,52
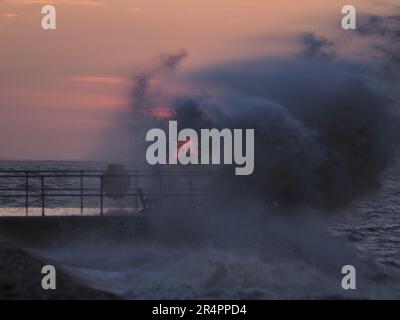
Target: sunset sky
x,y
60,89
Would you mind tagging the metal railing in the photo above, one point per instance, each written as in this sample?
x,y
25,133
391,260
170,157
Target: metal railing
x,y
36,185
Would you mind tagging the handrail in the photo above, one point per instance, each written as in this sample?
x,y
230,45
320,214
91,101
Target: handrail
x,y
43,191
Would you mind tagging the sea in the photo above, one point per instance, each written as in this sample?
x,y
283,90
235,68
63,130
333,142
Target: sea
x,y
199,250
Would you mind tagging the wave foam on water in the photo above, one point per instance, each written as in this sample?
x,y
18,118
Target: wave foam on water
x,y
209,257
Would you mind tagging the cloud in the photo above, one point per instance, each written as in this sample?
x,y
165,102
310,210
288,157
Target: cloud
x,y
135,9
383,36
99,80
9,15
326,126
315,47
142,82
324,131
385,26
62,2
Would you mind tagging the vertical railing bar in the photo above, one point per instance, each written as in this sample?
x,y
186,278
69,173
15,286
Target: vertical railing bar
x,y
42,178
26,193
136,193
81,192
101,195
81,175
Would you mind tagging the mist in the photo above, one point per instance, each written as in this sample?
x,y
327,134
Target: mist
x,y
325,126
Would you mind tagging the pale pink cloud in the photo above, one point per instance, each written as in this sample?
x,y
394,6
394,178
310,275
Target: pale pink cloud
x,y
135,9
99,80
9,15
64,2
61,99
76,100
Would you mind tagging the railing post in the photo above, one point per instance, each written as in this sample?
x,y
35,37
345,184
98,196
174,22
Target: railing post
x,y
101,195
161,188
136,193
26,193
81,191
42,178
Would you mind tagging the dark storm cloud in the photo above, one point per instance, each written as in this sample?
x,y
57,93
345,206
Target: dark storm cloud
x,y
315,47
189,113
171,61
384,32
324,130
386,26
323,134
167,63
134,122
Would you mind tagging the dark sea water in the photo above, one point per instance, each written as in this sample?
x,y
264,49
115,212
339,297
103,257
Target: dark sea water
x,y
193,254
13,182
372,224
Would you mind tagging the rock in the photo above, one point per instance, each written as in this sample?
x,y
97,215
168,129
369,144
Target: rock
x,y
20,278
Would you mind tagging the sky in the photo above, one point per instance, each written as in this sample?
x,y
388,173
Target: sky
x,y
61,89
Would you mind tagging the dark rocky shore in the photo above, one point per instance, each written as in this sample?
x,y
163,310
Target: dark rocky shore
x,y
20,278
